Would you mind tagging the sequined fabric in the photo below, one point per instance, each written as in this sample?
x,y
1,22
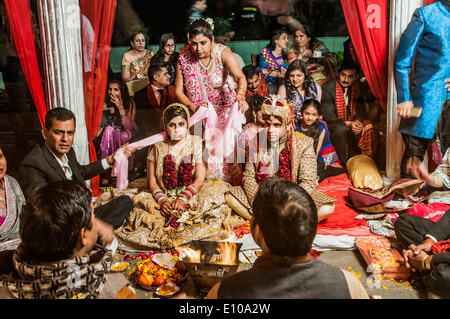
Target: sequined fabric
x,y
303,171
209,217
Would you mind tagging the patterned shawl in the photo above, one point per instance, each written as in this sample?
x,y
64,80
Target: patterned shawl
x,y
81,277
340,102
272,63
9,229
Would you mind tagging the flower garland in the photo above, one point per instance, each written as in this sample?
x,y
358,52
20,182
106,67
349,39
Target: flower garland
x,y
284,170
170,173
185,171
173,180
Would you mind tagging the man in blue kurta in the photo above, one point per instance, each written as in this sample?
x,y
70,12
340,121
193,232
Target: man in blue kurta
x,y
422,65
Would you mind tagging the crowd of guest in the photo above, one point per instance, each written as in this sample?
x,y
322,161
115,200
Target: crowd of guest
x,y
297,117
204,70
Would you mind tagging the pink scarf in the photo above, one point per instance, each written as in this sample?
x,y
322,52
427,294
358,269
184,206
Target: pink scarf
x,y
219,141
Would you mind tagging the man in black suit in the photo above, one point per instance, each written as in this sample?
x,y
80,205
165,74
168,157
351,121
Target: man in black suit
x,y
55,160
344,111
153,100
426,249
150,105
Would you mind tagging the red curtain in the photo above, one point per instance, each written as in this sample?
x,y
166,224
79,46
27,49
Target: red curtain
x,y
367,24
97,23
19,17
427,2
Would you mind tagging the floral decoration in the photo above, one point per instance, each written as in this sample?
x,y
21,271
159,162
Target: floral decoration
x,y
185,171
183,178
170,173
284,170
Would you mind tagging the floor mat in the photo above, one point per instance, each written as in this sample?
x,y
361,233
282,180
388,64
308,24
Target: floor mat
x,y
342,221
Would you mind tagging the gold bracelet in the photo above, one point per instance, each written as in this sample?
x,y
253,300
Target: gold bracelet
x,y
426,262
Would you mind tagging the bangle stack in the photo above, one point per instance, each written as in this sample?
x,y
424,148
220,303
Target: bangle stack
x,y
187,194
159,196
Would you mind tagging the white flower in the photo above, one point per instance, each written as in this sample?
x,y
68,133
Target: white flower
x,y
210,22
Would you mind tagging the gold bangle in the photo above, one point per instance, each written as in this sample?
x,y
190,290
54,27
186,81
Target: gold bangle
x,y
426,262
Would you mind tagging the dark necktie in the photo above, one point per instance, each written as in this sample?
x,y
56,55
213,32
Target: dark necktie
x,y
160,91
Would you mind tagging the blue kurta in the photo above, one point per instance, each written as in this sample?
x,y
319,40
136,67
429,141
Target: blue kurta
x,y
427,40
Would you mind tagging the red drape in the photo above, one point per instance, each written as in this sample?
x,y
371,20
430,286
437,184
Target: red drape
x,y
367,24
427,2
97,22
19,18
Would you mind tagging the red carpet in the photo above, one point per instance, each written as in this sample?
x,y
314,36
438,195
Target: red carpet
x,y
342,221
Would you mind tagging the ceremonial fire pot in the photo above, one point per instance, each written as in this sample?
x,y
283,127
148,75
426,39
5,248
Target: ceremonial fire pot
x,y
207,262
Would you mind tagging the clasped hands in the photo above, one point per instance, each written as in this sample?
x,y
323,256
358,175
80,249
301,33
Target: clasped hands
x,y
168,207
415,255
356,126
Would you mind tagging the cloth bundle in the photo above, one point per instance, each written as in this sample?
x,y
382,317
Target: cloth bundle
x,y
373,201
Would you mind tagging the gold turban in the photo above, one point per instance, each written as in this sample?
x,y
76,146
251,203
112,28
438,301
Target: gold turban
x,y
274,106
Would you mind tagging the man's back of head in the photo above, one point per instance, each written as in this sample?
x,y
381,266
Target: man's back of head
x,y
287,217
52,220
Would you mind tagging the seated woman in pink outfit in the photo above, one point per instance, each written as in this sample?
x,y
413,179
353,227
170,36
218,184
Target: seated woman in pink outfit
x,y
118,118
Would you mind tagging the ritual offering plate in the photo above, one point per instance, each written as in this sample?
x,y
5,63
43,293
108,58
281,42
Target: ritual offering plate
x,y
150,276
167,290
120,266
